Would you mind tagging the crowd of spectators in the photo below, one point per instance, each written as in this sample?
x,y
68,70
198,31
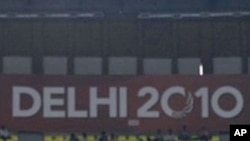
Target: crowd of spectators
x,y
183,135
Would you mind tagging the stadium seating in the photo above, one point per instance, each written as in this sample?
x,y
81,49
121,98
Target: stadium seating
x,y
66,137
132,138
121,138
12,138
215,138
48,138
91,138
143,138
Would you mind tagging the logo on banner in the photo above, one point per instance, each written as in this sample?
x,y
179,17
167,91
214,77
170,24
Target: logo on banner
x,y
239,132
187,109
117,101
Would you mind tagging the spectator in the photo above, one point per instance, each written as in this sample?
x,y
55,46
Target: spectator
x,y
184,134
159,136
140,138
170,136
103,136
4,133
84,136
73,137
204,134
112,137
149,138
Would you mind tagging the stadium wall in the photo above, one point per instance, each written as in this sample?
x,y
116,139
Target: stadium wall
x,y
142,39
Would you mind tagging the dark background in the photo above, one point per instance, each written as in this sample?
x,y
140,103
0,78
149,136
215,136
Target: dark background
x,y
121,33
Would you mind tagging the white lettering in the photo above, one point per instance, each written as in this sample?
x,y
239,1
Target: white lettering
x,y
123,102
223,91
49,102
165,101
110,101
145,110
243,131
18,91
72,112
239,132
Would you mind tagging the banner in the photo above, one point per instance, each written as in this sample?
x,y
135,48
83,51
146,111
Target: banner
x,y
123,103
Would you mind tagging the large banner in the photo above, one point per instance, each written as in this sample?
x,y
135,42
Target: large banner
x,y
123,103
